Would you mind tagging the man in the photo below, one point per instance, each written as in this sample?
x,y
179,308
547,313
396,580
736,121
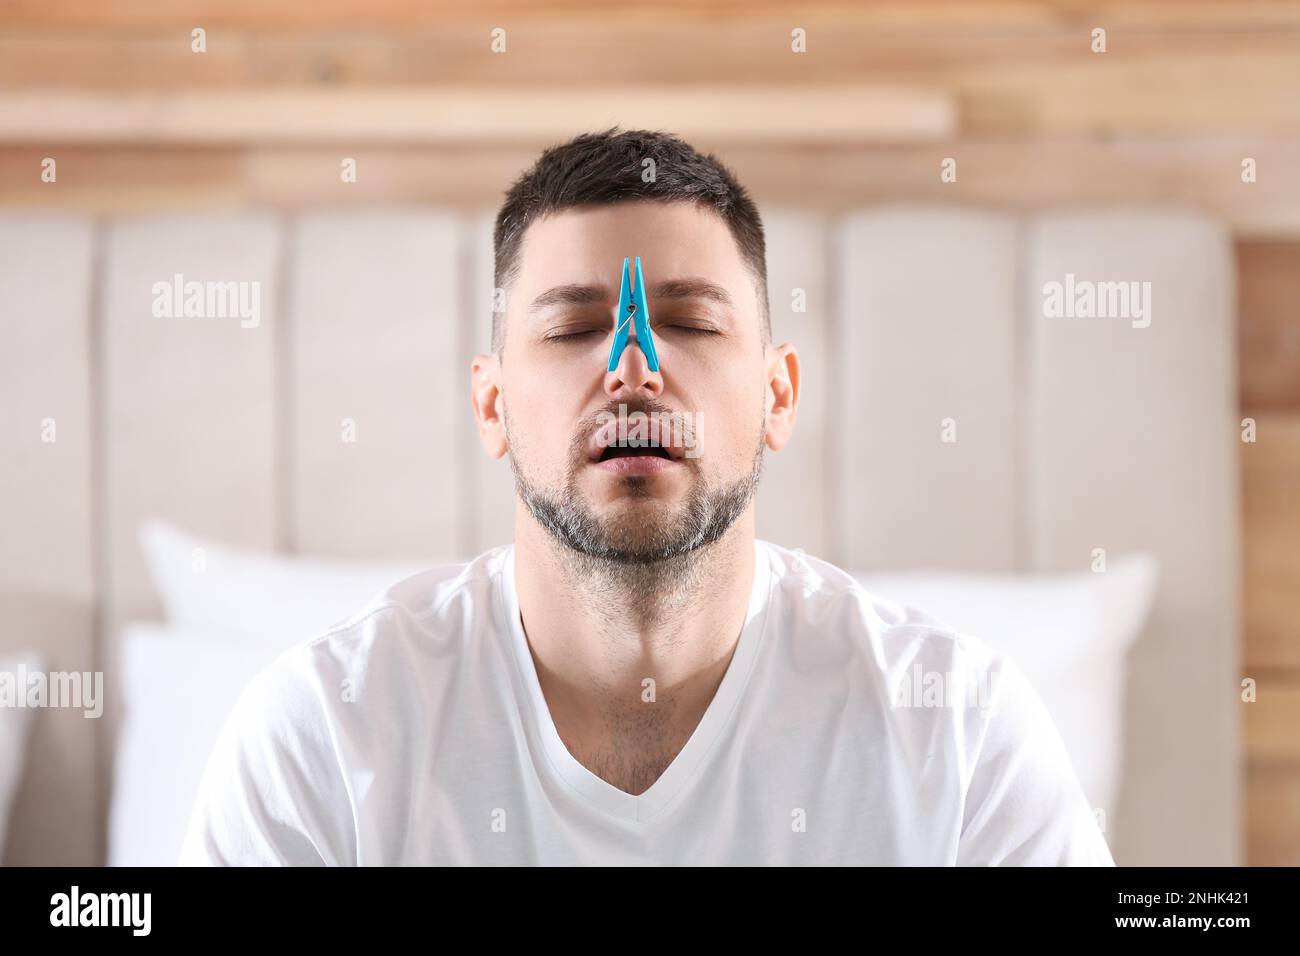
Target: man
x,y
637,679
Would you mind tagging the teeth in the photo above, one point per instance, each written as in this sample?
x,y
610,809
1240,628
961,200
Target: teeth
x,y
605,444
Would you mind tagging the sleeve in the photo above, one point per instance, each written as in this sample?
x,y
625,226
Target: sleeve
x,y
273,792
1024,805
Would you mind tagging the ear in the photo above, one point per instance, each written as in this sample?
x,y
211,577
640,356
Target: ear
x,y
485,395
782,373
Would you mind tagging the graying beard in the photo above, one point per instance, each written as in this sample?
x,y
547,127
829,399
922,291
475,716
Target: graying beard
x,y
709,516
669,570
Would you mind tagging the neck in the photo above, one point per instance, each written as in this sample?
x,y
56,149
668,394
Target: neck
x,y
599,630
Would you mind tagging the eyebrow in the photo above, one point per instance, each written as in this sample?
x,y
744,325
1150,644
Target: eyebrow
x,y
577,294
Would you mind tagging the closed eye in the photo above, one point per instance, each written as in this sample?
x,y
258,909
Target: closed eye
x,y
692,329
574,336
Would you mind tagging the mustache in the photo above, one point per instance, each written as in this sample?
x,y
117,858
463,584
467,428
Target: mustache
x,y
597,418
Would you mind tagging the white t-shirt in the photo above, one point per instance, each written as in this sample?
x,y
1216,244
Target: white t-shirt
x,y
846,730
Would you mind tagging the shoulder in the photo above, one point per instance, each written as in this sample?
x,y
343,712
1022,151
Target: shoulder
x,y
951,704
401,644
277,788
426,596
821,603
432,612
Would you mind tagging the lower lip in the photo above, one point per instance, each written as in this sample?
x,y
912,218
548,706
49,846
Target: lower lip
x,y
636,465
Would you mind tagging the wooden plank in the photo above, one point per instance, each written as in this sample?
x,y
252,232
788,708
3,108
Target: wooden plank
x,y
129,180
746,52
376,386
1270,475
1272,722
925,333
1133,446
899,16
1268,296
1200,174
840,113
46,487
1009,84
468,179
1141,86
1273,817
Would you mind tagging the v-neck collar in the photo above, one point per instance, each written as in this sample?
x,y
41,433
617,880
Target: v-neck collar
x,y
636,808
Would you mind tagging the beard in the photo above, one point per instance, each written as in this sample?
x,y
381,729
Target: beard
x,y
647,535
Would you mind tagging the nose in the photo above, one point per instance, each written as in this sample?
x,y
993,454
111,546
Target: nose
x,y
632,376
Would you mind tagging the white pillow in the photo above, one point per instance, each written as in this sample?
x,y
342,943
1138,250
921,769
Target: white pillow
x,y
15,722
177,690
211,588
1069,633
230,612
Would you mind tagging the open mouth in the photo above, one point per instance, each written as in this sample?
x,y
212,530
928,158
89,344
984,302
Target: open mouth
x,y
651,449
632,451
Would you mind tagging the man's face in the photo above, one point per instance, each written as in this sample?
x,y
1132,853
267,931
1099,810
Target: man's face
x,y
705,320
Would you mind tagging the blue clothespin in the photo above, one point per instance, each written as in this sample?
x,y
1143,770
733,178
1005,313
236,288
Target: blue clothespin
x,y
632,309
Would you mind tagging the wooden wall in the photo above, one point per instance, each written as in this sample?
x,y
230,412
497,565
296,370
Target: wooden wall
x,y
1011,89
1269,307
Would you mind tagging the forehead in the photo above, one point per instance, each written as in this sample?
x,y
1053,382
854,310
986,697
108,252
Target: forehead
x,y
587,245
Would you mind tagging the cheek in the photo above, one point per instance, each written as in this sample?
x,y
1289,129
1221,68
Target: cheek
x,y
541,431
554,385
732,418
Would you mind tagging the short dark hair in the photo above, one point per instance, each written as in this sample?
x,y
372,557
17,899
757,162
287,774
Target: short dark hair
x,y
599,169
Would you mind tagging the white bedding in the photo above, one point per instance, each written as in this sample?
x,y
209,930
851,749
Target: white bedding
x,y
15,724
178,689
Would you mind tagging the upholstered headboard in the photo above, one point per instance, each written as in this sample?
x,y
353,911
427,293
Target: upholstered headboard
x,y
1071,435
